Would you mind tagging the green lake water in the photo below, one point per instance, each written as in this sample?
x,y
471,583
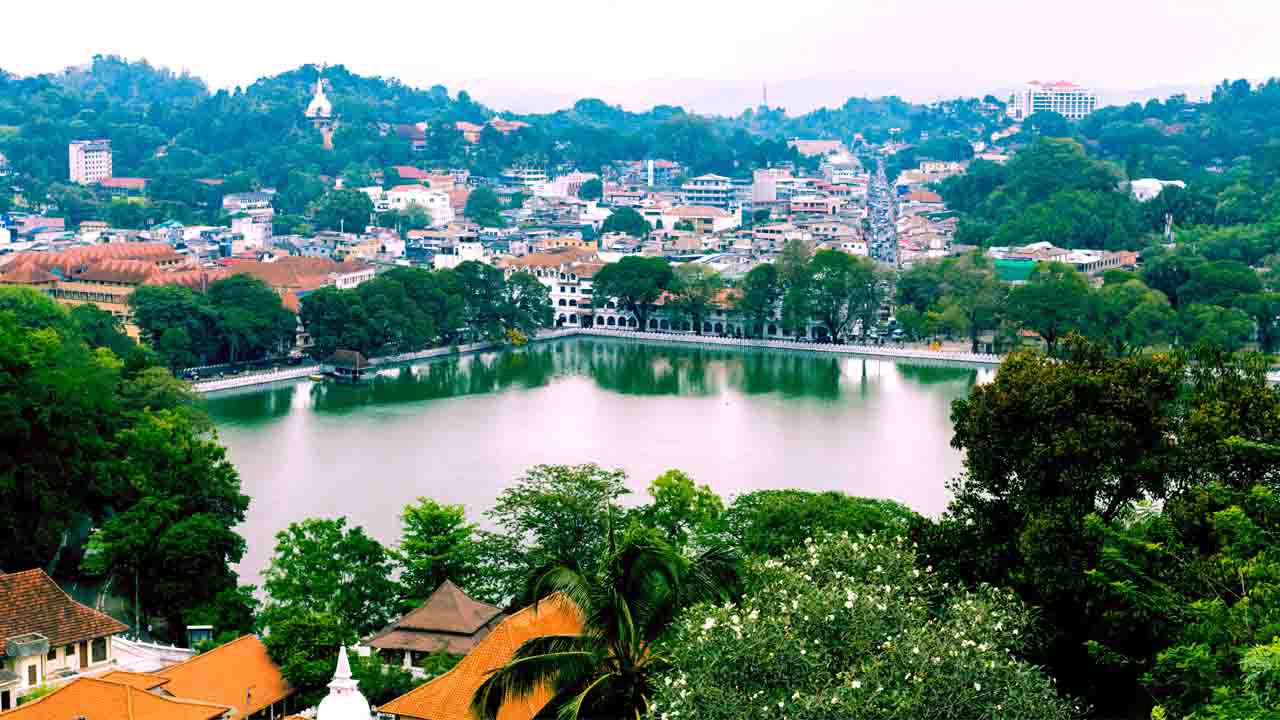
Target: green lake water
x,y
461,429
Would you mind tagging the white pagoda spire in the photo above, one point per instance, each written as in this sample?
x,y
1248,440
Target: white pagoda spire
x,y
344,702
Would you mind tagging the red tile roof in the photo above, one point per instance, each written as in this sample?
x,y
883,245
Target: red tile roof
x,y
27,274
31,602
448,697
98,699
408,172
239,675
124,183
449,619
923,196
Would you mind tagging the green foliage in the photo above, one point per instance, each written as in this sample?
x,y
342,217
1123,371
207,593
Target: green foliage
x,y
679,509
696,288
636,283
626,598
177,537
850,626
484,208
1053,302
772,522
304,644
959,295
381,682
322,566
760,293
344,210
554,514
592,189
626,220
436,545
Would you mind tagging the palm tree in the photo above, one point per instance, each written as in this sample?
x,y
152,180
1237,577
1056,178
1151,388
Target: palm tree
x,y
608,669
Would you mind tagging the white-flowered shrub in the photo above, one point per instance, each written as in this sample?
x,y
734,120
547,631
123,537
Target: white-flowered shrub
x,y
849,627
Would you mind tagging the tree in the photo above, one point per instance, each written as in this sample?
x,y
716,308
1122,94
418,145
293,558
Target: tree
x,y
251,319
436,545
177,322
1128,316
304,644
592,189
761,291
635,282
845,289
626,599
1221,283
321,566
679,509
773,522
484,208
526,304
697,288
1053,302
853,627
625,220
344,210
100,328
1214,326
1264,309
555,513
175,540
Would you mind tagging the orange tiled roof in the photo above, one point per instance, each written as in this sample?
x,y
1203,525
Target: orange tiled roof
x,y
27,274
31,602
292,272
924,196
98,699
229,674
448,697
142,681
697,211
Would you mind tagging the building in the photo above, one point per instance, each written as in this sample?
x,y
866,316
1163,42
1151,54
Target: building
x,y
1068,100
812,148
319,112
101,699
90,161
448,697
435,202
449,621
814,205
249,203
344,701
709,190
1148,189
44,635
701,219
526,177
458,253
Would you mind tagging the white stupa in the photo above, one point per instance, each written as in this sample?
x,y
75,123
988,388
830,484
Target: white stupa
x,y
320,106
344,701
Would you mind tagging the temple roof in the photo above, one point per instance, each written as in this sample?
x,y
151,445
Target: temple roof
x,y
449,620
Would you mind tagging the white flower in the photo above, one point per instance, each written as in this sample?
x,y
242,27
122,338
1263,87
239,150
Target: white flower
x,y
856,684
710,623
977,686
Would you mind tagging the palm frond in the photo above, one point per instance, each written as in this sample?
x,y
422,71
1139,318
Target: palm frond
x,y
573,708
523,675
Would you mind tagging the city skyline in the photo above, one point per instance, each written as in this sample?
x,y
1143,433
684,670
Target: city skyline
x,y
540,58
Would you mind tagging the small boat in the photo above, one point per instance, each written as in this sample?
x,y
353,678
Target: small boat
x,y
317,377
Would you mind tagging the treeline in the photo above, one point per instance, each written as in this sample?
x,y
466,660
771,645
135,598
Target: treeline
x,y
410,309
236,319
1176,300
95,435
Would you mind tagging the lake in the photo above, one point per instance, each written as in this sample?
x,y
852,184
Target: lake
x,y
461,429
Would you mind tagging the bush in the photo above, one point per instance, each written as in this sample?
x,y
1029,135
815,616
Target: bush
x,y
771,522
849,627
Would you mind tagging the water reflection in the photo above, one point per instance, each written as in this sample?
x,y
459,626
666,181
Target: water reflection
x,y
621,367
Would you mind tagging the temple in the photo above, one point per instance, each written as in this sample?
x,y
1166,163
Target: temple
x,y
320,111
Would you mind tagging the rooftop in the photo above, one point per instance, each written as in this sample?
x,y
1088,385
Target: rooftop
x,y
101,699
31,602
449,619
238,675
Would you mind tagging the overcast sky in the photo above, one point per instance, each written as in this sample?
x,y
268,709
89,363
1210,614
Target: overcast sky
x,y
709,55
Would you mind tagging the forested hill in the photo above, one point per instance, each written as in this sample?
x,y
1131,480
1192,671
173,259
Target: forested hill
x,y
169,126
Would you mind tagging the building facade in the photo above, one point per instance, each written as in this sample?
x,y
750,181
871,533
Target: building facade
x,y
1068,100
709,190
90,161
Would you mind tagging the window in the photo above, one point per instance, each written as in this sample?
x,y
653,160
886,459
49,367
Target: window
x,y
99,652
31,674
53,654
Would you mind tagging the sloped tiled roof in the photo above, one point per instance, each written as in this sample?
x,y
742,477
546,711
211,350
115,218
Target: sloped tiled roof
x,y
27,274
142,681
98,699
31,602
449,620
448,697
239,675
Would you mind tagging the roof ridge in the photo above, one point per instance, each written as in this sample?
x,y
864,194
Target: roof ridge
x,y
208,653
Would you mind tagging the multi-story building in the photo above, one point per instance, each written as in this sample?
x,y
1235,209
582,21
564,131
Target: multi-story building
x,y
524,176
1068,100
709,190
90,161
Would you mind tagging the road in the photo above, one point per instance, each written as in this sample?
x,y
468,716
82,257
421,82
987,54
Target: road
x,y
882,212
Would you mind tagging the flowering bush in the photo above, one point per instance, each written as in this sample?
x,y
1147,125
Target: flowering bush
x,y
849,627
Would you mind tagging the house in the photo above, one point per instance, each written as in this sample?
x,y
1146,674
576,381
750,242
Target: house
x,y
701,219
448,697
44,633
102,699
238,675
449,621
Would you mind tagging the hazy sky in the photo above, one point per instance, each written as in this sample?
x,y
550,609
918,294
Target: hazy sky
x,y
710,55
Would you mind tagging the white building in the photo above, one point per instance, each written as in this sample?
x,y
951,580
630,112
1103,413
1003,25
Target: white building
x,y
1148,188
524,176
90,160
709,190
344,701
458,254
435,202
44,635
1068,100
255,229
